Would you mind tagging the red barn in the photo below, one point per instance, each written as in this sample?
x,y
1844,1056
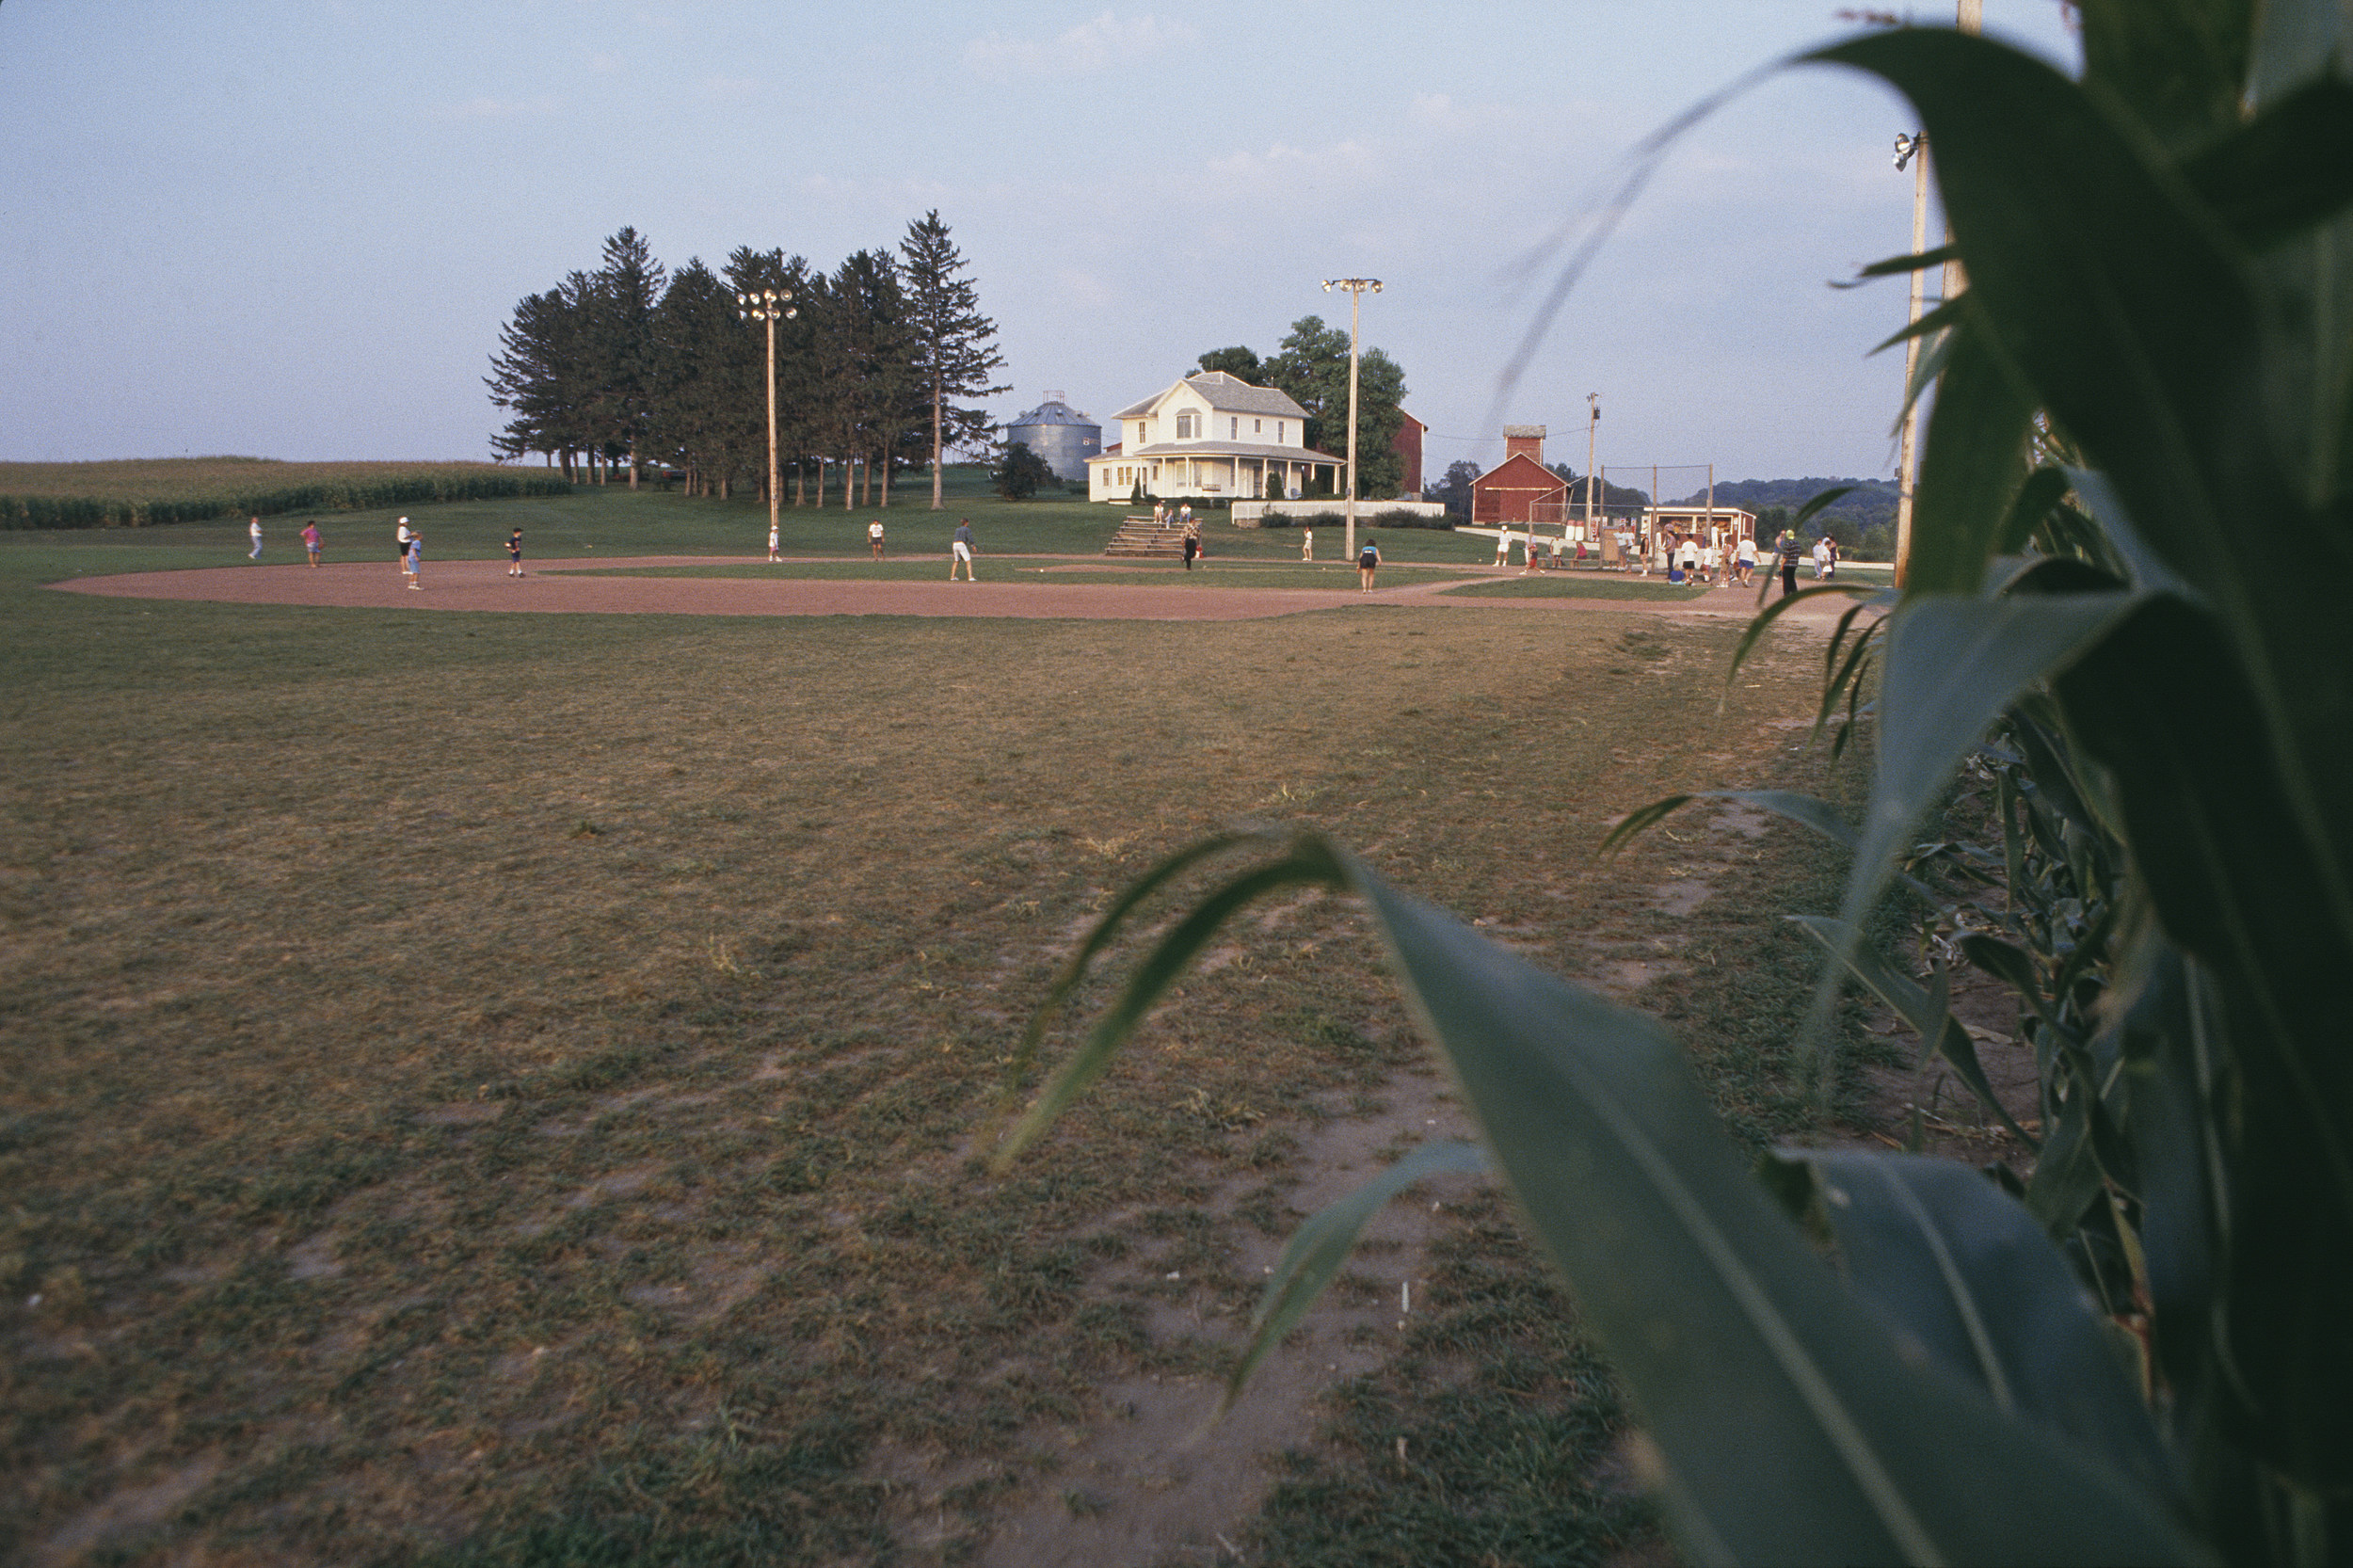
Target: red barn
x,y
1407,445
1520,489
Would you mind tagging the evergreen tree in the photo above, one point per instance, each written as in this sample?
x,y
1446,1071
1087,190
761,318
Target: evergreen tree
x,y
621,343
543,373
750,271
955,348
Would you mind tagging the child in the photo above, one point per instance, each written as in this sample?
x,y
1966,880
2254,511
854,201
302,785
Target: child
x,y
772,546
515,554
415,565
311,540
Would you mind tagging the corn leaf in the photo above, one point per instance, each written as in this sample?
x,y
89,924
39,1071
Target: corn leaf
x,y
1966,1274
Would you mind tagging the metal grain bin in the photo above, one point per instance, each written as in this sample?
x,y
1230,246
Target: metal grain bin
x,y
1060,433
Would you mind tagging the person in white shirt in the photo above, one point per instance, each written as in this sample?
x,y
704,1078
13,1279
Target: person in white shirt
x,y
1745,558
255,528
1712,562
400,552
772,546
1821,556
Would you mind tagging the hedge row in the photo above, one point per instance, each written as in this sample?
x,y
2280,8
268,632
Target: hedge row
x,y
35,511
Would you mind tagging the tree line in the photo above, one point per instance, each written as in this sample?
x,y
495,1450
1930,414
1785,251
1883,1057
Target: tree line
x,y
630,364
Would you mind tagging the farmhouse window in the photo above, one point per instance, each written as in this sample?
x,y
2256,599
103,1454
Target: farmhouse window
x,y
1233,428
1184,428
1257,426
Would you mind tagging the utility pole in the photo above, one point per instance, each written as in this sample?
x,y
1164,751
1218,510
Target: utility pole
x,y
1911,150
1356,288
1593,427
768,305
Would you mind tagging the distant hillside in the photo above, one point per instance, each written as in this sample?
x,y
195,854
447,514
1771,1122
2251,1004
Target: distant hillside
x,y
1872,503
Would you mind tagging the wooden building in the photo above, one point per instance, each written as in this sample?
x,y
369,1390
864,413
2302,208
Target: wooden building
x,y
1520,489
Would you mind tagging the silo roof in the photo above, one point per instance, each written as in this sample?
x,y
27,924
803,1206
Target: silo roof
x,y
1052,413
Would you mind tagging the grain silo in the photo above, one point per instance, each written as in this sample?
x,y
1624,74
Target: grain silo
x,y
1060,434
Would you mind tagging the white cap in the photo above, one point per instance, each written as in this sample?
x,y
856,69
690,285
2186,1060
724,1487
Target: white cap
x,y
404,520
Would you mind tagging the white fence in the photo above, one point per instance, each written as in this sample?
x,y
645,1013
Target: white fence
x,y
1252,514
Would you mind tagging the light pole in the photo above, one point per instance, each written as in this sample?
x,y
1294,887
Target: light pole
x,y
1356,288
1909,150
770,306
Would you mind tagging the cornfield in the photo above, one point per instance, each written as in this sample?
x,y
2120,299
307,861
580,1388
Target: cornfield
x,y
149,493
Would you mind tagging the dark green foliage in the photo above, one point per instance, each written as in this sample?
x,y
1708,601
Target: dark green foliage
x,y
1019,472
954,345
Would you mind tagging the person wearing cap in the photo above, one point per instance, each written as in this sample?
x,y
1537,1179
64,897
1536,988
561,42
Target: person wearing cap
x,y
400,546
416,559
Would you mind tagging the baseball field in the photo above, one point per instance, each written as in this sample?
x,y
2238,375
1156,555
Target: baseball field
x,y
500,1072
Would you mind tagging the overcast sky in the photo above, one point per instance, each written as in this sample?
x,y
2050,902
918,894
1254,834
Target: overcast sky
x,y
293,229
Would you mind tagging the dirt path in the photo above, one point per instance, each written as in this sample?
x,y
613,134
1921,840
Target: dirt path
x,y
587,586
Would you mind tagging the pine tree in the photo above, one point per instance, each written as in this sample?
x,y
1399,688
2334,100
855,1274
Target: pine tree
x,y
954,343
625,291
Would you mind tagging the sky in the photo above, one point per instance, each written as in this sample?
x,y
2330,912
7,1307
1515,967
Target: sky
x,y
293,229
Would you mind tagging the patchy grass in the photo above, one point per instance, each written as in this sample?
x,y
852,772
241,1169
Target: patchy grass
x,y
502,1090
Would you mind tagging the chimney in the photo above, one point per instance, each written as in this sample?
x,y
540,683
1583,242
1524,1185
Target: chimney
x,y
1528,439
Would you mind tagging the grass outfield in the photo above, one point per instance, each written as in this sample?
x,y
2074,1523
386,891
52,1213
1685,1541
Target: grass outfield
x,y
505,1089
614,520
1570,585
1214,574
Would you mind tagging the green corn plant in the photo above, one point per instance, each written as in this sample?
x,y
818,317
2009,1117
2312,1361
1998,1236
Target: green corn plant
x,y
2131,525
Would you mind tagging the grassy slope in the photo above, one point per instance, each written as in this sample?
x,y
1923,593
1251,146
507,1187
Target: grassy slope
x,y
498,1088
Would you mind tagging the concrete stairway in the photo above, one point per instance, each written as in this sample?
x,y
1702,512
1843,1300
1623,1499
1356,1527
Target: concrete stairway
x,y
1142,537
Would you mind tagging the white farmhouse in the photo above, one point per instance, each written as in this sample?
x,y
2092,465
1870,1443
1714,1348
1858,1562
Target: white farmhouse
x,y
1210,434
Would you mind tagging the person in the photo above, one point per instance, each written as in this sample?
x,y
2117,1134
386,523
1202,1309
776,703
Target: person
x,y
400,546
1184,516
1192,548
1821,557
254,528
1711,562
1690,556
1159,514
962,551
1306,544
515,552
1786,548
771,543
1580,550
311,541
1503,547
1830,559
416,559
1368,562
874,536
1745,558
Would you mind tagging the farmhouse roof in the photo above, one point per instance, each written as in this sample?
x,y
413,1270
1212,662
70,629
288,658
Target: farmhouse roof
x,y
1229,393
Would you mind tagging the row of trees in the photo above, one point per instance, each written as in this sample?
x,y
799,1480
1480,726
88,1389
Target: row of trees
x,y
629,365
1311,364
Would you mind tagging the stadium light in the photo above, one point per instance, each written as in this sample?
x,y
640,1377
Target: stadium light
x,y
769,306
1357,288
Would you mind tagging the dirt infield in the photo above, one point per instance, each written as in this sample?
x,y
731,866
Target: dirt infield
x,y
586,587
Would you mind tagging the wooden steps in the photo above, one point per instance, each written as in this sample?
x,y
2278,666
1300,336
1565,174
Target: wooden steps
x,y
1142,537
